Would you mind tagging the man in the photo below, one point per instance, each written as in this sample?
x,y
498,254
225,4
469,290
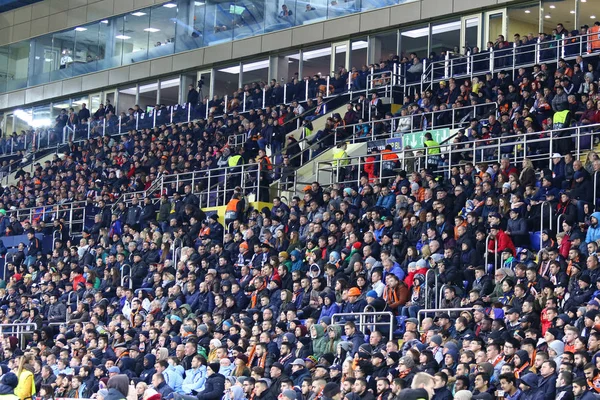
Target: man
x,y
548,379
508,383
360,389
214,386
172,378
159,384
564,389
195,377
261,391
581,391
441,391
481,383
332,391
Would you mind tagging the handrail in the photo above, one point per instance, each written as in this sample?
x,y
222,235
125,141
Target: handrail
x,y
128,277
487,253
362,323
542,206
435,277
19,330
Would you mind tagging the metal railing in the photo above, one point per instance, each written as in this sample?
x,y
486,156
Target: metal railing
x,y
126,278
494,60
514,147
19,330
364,323
435,285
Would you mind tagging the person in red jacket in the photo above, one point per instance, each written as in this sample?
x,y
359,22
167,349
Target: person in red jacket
x,y
497,235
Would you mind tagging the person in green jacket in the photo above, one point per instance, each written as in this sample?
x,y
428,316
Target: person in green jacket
x,y
319,341
334,336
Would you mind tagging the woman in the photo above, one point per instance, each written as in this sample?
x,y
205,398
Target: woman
x,y
140,389
241,365
527,177
26,387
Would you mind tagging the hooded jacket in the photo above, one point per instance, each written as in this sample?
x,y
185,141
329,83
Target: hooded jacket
x,y
593,232
333,308
319,343
146,375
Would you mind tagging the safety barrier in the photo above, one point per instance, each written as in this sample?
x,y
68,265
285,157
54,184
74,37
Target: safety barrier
x,y
19,330
363,323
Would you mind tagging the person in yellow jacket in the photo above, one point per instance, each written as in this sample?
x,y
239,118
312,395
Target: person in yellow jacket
x,y
8,383
26,387
340,162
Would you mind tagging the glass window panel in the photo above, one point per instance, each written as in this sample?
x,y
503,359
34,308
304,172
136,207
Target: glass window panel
x,y
18,65
445,37
63,44
280,15
316,61
147,95
219,21
135,36
249,18
339,53
78,102
383,45
226,80
109,53
358,56
471,32
162,30
3,67
45,59
87,49
23,118
126,98
190,25
414,40
169,91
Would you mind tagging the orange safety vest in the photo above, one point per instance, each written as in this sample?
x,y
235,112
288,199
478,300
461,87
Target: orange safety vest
x,y
231,210
594,39
268,162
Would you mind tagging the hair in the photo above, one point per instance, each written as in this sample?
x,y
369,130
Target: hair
x,y
423,379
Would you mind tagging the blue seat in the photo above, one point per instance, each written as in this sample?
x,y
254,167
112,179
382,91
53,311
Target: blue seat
x,y
535,239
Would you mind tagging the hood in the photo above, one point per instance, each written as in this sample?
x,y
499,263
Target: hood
x,y
346,346
127,364
596,215
320,330
238,392
335,255
296,254
558,346
523,355
187,307
290,337
151,360
530,380
488,368
337,329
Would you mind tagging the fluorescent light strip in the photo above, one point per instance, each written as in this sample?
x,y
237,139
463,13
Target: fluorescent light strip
x,y
170,5
80,29
138,14
152,30
122,37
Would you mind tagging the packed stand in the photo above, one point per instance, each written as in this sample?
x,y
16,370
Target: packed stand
x,y
245,308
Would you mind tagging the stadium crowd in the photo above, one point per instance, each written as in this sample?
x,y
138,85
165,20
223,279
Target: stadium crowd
x,y
246,309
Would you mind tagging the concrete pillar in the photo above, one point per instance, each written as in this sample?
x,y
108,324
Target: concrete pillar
x,y
279,68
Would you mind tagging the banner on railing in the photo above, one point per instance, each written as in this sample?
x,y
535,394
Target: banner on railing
x,y
414,140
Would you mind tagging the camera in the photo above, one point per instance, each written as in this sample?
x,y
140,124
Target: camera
x,y
200,83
